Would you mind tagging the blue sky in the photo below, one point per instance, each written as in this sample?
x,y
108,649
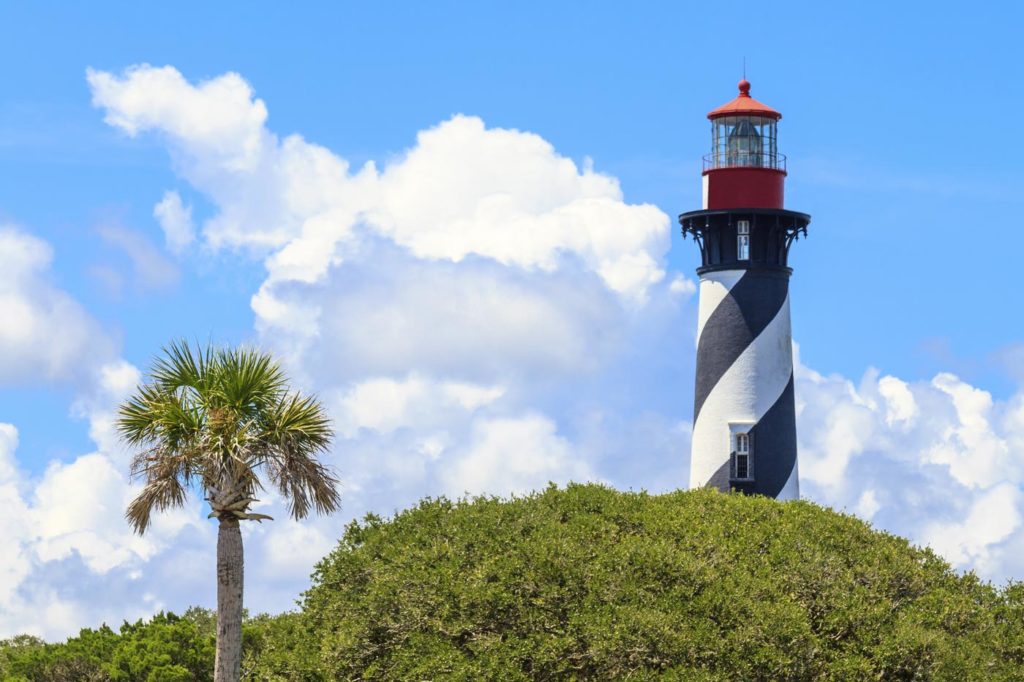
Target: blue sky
x,y
899,125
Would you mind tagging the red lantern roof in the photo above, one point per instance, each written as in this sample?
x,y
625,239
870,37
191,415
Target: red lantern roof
x,y
745,105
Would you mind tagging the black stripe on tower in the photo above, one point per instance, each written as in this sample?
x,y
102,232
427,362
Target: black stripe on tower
x,y
774,441
740,317
774,438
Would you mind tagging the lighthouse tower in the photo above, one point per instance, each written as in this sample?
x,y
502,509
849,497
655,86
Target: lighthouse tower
x,y
744,424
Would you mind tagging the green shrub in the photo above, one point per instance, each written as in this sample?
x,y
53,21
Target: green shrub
x,y
591,583
164,649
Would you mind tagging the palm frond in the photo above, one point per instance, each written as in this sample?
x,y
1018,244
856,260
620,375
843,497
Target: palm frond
x,y
250,379
304,483
159,494
178,367
295,433
137,422
301,419
153,415
216,417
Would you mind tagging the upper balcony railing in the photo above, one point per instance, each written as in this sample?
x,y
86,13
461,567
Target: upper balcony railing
x,y
723,159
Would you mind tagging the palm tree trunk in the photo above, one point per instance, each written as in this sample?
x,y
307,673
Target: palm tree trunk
x,y
228,667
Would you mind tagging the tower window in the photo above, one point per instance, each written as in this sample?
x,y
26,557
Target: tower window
x,y
742,465
743,240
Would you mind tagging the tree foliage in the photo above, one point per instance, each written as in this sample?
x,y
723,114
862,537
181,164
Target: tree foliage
x,y
589,583
167,648
217,418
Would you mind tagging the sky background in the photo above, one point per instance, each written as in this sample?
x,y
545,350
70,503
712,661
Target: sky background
x,y
456,224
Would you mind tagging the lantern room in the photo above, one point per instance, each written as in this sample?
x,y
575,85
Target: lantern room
x,y
744,168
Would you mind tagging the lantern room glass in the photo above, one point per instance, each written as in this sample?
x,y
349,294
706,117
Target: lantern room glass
x,y
744,142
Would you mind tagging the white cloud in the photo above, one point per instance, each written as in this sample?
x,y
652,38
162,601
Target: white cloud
x,y
514,455
682,286
8,444
381,404
901,408
471,396
507,195
66,528
835,425
930,460
456,277
477,321
79,507
45,335
975,454
113,382
14,518
72,513
992,517
217,116
462,190
867,505
175,220
289,549
42,613
384,404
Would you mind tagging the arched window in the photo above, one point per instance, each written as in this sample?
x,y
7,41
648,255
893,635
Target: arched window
x,y
743,464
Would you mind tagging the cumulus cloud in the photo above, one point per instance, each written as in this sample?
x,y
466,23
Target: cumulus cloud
x,y
46,334
75,507
218,117
69,515
682,286
479,258
113,383
976,540
507,195
175,219
462,190
514,455
66,528
931,460
474,321
14,564
385,404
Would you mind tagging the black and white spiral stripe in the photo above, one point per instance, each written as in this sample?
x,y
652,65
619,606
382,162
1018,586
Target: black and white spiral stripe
x,y
745,377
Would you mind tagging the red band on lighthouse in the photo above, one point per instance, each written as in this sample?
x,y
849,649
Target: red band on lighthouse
x,y
744,168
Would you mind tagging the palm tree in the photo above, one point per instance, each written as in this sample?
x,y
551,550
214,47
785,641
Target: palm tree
x,y
214,420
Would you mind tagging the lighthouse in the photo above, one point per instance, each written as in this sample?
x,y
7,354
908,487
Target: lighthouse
x,y
744,417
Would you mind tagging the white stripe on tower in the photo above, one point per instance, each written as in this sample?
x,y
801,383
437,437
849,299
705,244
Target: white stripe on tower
x,y
744,376
713,288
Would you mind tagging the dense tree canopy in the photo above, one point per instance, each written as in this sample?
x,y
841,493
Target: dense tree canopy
x,y
167,648
590,583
